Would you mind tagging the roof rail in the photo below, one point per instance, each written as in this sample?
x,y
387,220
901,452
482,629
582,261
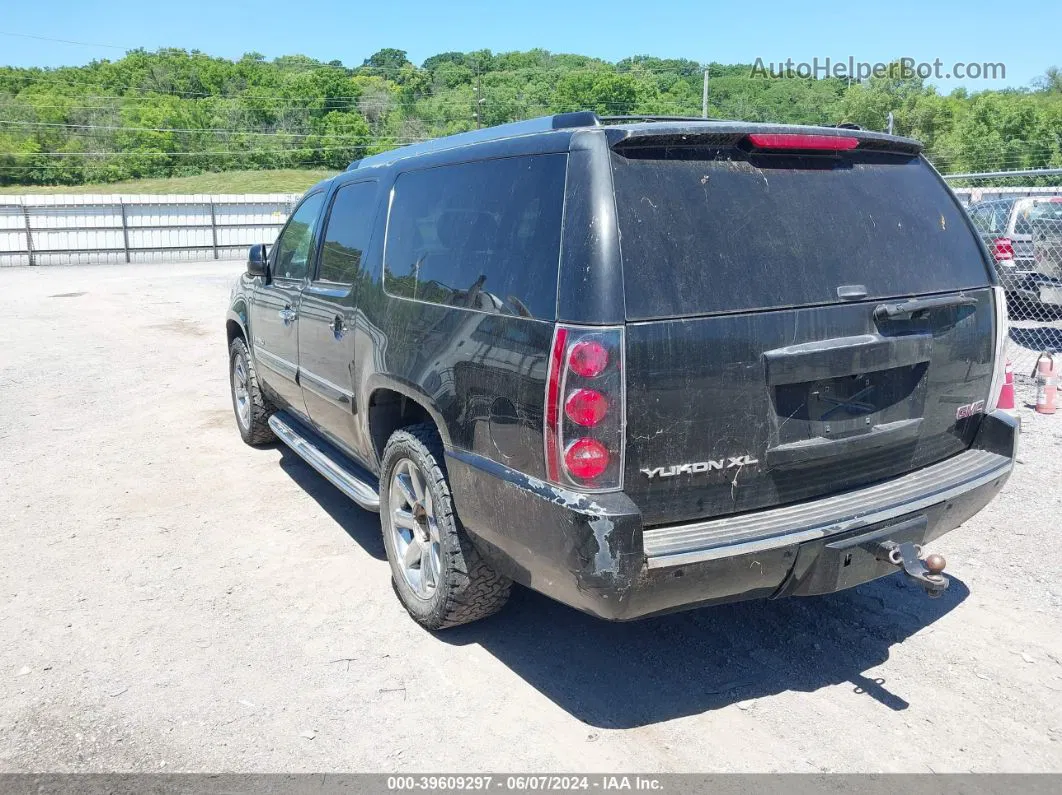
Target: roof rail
x,y
560,121
636,118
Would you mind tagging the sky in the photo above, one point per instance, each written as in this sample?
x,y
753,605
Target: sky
x,y
1025,38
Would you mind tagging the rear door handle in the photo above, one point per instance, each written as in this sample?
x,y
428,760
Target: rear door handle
x,y
288,315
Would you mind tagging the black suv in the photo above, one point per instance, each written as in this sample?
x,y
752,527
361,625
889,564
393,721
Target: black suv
x,y
635,364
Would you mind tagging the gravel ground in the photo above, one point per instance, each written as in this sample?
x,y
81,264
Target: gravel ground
x,y
171,599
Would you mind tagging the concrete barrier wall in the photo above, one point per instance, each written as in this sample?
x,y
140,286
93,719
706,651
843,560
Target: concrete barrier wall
x,y
87,228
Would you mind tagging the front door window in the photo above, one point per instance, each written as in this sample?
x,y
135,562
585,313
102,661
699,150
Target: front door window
x,y
295,246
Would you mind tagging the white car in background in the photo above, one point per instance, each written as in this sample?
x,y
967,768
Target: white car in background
x,y
1006,227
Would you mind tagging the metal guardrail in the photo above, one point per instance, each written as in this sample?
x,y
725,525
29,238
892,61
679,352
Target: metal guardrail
x,y
84,229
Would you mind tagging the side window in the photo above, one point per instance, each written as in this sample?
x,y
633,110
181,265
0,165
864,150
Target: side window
x,y
990,217
347,234
482,235
295,245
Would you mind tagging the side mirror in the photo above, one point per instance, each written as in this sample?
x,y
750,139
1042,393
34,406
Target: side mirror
x,y
257,263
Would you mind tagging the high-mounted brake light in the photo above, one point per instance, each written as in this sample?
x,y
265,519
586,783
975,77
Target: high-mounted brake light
x,y
584,412
827,143
1002,249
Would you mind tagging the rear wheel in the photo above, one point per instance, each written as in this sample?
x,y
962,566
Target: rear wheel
x,y
251,408
438,575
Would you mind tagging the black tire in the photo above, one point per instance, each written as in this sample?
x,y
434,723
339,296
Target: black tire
x,y
254,425
467,588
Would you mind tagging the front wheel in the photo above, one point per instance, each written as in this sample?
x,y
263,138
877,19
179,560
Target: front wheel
x,y
251,408
438,575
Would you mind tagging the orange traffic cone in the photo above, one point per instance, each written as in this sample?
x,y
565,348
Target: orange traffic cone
x,y
1006,394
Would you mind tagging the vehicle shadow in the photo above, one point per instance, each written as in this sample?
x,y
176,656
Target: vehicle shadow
x,y
633,674
624,675
361,525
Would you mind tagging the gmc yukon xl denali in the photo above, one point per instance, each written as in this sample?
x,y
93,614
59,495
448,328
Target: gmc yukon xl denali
x,y
635,364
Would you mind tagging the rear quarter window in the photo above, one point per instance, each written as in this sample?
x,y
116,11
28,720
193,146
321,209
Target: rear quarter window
x,y
706,230
482,235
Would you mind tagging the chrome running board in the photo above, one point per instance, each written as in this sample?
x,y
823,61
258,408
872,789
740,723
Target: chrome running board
x,y
335,472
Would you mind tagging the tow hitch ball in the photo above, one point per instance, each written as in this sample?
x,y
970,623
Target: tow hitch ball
x,y
926,573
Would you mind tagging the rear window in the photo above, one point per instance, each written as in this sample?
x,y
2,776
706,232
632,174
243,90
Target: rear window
x,y
717,230
483,235
991,218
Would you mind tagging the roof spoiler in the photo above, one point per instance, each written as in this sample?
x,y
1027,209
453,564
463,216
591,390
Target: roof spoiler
x,y
760,136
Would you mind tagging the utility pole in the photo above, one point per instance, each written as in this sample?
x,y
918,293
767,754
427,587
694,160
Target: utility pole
x,y
704,95
892,122
478,101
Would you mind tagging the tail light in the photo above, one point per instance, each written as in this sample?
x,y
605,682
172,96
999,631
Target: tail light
x,y
585,412
588,358
586,407
586,458
999,362
1002,249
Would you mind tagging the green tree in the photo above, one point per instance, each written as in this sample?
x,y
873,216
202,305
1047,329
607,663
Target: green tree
x,y
607,93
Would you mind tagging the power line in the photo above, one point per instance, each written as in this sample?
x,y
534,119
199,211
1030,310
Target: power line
x,y
61,41
119,128
200,153
295,102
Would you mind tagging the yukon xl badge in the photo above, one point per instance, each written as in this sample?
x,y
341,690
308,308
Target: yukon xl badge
x,y
730,462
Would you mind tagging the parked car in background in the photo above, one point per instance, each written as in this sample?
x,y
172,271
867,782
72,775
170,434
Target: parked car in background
x,y
638,365
1045,222
1004,226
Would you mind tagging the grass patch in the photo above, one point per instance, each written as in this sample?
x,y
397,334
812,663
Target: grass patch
x,y
288,180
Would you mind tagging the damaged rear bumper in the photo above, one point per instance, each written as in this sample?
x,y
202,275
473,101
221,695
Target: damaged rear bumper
x,y
592,552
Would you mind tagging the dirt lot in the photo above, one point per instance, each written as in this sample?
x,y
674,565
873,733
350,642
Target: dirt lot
x,y
172,599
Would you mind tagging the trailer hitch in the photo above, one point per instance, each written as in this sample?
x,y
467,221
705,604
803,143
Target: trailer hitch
x,y
907,556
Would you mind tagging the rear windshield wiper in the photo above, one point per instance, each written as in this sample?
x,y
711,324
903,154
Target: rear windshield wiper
x,y
913,306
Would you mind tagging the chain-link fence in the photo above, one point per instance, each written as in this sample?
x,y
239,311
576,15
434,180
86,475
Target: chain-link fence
x,y
1024,236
